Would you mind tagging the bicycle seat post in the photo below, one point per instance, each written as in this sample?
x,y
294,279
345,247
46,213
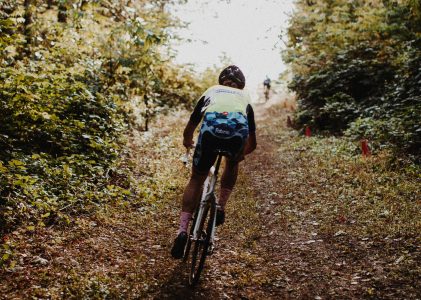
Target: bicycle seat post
x,y
220,154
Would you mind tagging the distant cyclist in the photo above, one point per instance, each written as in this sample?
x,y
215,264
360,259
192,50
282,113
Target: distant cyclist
x,y
227,124
266,87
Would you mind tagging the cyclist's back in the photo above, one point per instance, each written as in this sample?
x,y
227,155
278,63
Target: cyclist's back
x,y
227,115
266,82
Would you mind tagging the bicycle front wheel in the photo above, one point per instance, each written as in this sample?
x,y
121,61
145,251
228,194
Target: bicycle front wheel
x,y
189,240
201,245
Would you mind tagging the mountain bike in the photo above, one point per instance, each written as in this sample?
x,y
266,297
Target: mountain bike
x,y
201,238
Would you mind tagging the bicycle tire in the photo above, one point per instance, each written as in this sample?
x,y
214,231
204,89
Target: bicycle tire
x,y
201,246
193,224
189,241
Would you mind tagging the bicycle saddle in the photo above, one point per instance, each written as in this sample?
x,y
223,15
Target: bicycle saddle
x,y
223,153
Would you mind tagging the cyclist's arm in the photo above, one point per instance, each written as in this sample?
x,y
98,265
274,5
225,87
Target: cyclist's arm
x,y
195,119
188,134
251,143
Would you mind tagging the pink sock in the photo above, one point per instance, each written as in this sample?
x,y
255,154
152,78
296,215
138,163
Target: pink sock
x,y
223,198
185,218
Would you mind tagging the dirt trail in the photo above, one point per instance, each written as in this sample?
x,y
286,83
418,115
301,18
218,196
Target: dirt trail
x,y
279,240
270,247
299,262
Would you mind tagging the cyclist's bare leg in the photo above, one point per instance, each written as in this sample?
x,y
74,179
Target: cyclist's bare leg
x,y
228,179
191,197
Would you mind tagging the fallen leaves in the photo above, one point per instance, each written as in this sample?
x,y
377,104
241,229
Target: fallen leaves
x,y
300,224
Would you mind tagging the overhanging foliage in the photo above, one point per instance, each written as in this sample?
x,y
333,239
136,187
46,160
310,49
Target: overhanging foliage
x,y
75,76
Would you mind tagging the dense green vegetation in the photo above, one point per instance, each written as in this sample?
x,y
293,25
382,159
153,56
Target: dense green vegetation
x,y
357,70
76,76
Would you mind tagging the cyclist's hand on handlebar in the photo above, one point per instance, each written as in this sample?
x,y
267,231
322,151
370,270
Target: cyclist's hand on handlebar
x,y
188,143
185,157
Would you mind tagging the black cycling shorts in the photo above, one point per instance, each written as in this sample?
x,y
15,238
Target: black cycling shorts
x,y
205,153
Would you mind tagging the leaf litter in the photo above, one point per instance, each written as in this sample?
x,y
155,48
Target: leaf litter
x,y
303,222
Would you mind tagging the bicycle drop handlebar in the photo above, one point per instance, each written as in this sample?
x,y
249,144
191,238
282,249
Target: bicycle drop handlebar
x,y
185,160
185,157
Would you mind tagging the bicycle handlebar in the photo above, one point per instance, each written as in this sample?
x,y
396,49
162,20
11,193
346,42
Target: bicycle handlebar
x,y
185,157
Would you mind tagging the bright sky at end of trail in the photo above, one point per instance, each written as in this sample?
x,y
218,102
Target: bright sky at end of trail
x,y
246,31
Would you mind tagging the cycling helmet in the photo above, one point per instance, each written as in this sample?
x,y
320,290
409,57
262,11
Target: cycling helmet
x,y
234,74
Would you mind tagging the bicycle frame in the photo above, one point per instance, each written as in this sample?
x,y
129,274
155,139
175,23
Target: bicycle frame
x,y
207,199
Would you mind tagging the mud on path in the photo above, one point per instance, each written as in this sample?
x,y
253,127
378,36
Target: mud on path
x,y
289,234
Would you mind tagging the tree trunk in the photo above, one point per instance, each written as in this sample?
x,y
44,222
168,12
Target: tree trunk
x,y
62,13
162,6
28,13
147,124
27,32
146,113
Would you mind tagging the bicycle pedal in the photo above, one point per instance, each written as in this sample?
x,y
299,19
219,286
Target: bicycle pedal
x,y
211,250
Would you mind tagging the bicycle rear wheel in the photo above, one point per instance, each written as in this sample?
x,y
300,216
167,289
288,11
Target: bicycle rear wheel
x,y
201,245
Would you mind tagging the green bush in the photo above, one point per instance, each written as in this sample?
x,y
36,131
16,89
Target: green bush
x,y
357,70
74,76
58,138
336,95
55,114
395,121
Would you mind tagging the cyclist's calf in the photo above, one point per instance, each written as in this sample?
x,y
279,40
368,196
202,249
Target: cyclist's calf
x,y
229,177
192,192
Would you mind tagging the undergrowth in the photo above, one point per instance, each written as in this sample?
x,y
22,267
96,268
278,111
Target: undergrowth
x,y
375,196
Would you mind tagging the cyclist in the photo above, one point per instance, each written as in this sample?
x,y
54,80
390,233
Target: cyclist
x,y
228,124
266,83
266,87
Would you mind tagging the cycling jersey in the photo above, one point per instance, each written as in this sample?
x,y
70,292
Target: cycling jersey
x,y
228,118
266,82
223,99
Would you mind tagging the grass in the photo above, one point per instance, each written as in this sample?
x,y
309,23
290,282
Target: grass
x,y
363,195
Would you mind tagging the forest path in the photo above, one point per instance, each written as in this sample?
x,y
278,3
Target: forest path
x,y
270,246
286,236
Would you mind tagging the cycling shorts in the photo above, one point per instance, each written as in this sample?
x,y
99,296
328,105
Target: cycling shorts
x,y
220,131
